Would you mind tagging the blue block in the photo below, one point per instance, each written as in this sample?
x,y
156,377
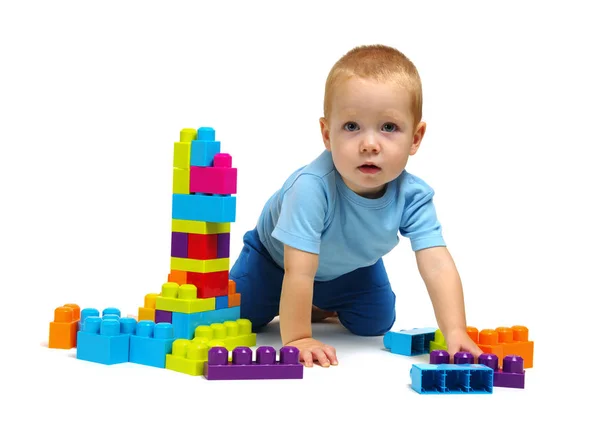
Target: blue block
x,y
409,342
452,379
185,323
105,340
209,208
206,133
203,152
151,343
221,302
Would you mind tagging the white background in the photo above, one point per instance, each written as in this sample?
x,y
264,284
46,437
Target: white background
x,y
93,95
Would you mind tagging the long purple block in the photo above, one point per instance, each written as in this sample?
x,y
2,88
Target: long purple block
x,y
163,316
223,245
264,367
179,244
512,374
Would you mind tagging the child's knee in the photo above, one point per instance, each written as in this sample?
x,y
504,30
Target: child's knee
x,y
364,326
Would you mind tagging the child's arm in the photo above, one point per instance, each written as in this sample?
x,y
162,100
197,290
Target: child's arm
x,y
296,306
443,283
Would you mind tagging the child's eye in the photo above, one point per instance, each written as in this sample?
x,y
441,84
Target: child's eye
x,y
351,126
389,127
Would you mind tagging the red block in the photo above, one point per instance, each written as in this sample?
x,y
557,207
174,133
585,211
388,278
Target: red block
x,y
210,285
202,246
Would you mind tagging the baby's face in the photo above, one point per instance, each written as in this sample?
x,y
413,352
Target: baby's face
x,y
370,134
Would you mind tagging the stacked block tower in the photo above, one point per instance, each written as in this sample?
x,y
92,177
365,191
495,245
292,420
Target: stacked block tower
x,y
198,290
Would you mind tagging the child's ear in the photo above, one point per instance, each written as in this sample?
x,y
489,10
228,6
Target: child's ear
x,y
418,137
325,133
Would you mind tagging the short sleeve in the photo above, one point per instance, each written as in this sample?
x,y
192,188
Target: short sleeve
x,y
302,214
420,223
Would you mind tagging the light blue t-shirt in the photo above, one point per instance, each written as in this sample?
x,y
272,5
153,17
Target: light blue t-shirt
x,y
316,212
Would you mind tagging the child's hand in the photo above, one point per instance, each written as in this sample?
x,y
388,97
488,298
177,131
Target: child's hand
x,y
459,340
311,349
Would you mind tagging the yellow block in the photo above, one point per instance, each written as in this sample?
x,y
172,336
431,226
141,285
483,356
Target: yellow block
x,y
181,181
183,299
146,314
232,333
439,342
200,265
187,134
202,227
188,356
181,155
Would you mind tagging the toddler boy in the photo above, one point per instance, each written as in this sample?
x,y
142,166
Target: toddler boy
x,y
317,248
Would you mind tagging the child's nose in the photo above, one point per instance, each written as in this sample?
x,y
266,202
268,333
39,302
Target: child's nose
x,y
369,144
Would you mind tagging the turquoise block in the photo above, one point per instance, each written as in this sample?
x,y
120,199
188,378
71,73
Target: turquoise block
x,y
151,343
209,208
203,152
409,342
185,323
105,340
452,379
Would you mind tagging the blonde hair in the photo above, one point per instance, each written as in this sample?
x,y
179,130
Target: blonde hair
x,y
380,63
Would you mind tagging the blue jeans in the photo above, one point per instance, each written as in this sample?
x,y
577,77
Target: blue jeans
x,y
363,298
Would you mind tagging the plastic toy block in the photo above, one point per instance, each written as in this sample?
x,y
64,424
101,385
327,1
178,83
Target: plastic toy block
x,y
221,302
148,311
182,299
203,152
181,181
209,285
105,340
222,160
202,246
182,148
409,342
217,180
163,316
210,208
200,265
63,330
151,343
439,342
185,323
451,378
187,357
511,375
178,276
223,242
232,334
265,366
231,287
179,244
234,300
202,227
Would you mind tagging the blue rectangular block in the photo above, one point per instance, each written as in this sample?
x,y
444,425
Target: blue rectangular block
x,y
151,349
221,302
452,379
209,208
409,342
203,152
185,323
102,349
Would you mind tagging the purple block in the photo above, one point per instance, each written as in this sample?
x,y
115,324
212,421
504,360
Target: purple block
x,y
179,244
512,374
163,316
439,357
223,245
464,357
264,367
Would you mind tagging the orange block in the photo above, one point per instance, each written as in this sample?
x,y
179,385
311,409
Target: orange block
x,y
63,330
504,341
148,311
234,300
178,276
231,290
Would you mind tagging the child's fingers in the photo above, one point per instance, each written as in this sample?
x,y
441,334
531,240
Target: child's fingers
x,y
320,355
330,353
306,357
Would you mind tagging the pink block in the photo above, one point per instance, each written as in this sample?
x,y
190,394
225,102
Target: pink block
x,y
216,180
222,160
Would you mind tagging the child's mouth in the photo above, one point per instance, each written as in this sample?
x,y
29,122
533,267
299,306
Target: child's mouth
x,y
369,168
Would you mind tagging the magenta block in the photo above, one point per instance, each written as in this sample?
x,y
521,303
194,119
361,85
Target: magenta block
x,y
213,180
179,244
266,366
163,316
222,160
223,245
512,374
